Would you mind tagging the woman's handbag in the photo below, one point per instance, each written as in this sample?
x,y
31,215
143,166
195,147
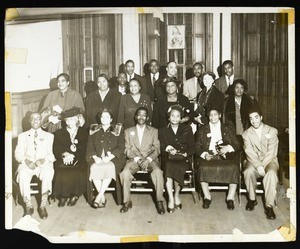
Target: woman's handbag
x,y
177,157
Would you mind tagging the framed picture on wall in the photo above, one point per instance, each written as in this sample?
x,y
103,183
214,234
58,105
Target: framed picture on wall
x,y
176,36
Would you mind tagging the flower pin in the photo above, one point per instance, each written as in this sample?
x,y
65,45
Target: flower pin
x,y
75,141
208,135
268,136
132,133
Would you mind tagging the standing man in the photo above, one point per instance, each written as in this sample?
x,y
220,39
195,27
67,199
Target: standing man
x,y
193,86
261,145
160,85
35,157
152,77
129,70
142,149
224,83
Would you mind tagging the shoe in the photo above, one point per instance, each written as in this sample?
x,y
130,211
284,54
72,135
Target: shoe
x,y
72,201
28,210
160,207
206,203
270,213
250,205
179,206
230,204
62,202
95,205
126,206
171,210
102,204
42,213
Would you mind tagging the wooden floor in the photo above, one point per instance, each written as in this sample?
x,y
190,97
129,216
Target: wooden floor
x,y
143,219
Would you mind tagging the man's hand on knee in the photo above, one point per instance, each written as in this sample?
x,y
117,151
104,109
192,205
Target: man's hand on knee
x,y
261,171
30,164
39,162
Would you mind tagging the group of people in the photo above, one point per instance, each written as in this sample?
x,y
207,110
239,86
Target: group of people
x,y
154,124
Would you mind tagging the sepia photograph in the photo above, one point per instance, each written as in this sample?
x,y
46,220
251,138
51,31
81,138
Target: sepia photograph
x,y
151,124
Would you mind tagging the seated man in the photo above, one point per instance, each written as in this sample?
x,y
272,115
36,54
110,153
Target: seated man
x,y
261,145
142,149
34,153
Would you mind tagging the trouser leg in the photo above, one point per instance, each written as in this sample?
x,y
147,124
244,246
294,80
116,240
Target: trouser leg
x,y
250,176
158,181
270,183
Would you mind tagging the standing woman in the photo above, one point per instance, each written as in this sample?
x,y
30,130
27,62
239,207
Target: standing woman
x,y
237,105
209,96
59,100
105,157
131,101
177,146
173,97
69,148
103,98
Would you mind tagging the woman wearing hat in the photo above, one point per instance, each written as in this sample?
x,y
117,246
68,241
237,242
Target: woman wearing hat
x,y
177,146
105,157
209,95
216,156
69,148
237,105
173,97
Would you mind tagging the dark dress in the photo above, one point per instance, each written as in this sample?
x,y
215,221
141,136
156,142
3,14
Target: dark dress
x,y
128,107
108,141
205,99
230,110
184,141
160,117
217,170
94,103
69,180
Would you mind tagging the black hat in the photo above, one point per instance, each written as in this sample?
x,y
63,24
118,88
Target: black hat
x,y
74,111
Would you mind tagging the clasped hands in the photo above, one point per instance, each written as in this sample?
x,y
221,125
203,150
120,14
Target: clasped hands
x,y
222,151
173,151
104,159
143,163
37,163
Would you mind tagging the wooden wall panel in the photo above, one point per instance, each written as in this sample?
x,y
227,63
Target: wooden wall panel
x,y
259,51
21,104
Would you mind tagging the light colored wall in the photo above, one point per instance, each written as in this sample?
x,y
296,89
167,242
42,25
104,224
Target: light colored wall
x,y
33,55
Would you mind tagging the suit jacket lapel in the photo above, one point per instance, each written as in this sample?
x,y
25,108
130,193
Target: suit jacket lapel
x,y
255,139
135,137
264,140
145,135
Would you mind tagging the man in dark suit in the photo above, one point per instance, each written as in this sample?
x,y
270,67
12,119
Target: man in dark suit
x,y
261,148
142,149
160,85
129,70
122,84
152,77
225,82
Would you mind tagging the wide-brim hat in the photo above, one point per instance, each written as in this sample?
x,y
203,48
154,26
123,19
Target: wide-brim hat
x,y
74,111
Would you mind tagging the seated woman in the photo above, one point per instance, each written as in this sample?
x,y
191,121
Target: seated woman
x,y
105,157
216,156
209,95
177,144
237,105
163,103
70,166
131,101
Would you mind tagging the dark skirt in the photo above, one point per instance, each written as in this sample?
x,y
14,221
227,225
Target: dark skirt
x,y
175,169
69,181
219,171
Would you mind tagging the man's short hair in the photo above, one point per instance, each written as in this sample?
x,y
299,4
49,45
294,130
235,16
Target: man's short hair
x,y
171,62
153,60
227,62
142,108
198,63
128,61
254,109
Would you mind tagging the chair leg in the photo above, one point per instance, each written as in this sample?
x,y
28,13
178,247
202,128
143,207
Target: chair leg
x,y
194,194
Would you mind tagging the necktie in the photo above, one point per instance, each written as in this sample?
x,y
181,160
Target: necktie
x,y
153,79
35,140
129,78
229,81
200,83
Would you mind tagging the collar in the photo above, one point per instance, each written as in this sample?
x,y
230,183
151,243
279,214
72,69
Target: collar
x,y
32,131
215,126
156,75
103,93
138,127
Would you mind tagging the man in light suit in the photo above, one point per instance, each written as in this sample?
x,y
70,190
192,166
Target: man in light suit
x,y
142,149
35,157
261,145
193,86
130,74
224,83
